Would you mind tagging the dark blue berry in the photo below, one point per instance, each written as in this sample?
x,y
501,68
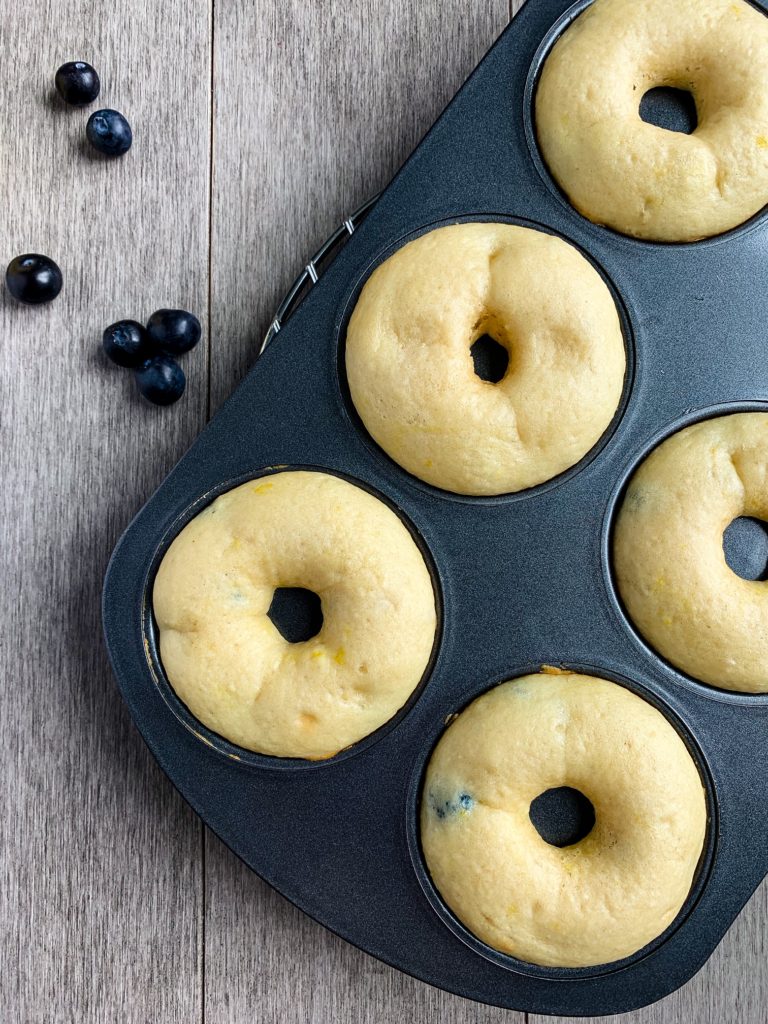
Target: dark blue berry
x,y
32,278
126,343
77,83
109,132
174,330
161,380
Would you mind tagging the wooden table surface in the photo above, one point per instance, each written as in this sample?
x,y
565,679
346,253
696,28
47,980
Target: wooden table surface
x,y
258,125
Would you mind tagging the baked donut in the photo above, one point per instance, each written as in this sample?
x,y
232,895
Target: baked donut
x,y
602,898
411,373
232,667
636,177
668,556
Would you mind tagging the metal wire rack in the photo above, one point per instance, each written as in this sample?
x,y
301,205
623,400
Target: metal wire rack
x,y
310,275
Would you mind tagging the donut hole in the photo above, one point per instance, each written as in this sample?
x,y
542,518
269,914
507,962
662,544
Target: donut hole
x,y
562,816
296,613
671,109
745,546
490,359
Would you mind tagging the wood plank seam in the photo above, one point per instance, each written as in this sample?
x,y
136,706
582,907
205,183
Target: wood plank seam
x,y
211,187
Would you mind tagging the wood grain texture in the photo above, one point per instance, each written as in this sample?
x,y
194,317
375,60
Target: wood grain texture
x,y
101,868
113,906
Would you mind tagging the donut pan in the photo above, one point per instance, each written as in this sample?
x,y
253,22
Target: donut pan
x,y
522,580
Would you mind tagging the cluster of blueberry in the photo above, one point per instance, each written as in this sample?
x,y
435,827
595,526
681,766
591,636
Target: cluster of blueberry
x,y
149,351
107,130
33,278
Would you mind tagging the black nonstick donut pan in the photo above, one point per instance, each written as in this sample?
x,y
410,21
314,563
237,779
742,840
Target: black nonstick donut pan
x,y
522,580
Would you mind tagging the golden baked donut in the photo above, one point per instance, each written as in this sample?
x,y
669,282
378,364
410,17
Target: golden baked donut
x,y
668,554
602,898
636,177
232,667
410,367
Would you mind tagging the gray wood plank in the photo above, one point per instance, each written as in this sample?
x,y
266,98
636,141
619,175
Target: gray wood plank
x,y
100,878
732,988
315,107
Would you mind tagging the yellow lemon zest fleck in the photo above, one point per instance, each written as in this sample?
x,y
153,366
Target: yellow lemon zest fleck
x,y
339,656
261,488
762,142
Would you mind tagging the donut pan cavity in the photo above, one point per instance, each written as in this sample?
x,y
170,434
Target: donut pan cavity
x,y
521,580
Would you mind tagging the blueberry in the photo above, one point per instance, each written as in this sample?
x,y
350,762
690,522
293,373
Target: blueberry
x,y
109,132
447,808
77,83
174,330
126,343
32,278
161,380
